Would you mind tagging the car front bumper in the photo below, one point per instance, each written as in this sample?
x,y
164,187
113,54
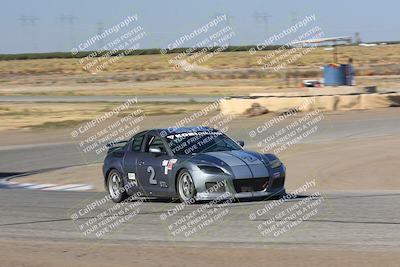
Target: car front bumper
x,y
275,187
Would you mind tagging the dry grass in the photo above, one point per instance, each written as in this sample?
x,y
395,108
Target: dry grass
x,y
229,60
231,73
67,115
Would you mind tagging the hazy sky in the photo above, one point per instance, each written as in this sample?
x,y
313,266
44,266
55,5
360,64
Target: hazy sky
x,y
55,25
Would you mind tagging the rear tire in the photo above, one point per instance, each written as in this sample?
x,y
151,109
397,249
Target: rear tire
x,y
185,186
115,187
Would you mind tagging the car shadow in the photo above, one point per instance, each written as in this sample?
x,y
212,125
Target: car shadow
x,y
234,200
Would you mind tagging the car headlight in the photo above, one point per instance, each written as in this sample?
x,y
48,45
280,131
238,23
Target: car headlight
x,y
276,163
211,169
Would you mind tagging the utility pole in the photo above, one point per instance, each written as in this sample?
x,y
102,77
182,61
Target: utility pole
x,y
229,18
100,30
227,22
357,38
70,20
294,18
262,17
28,24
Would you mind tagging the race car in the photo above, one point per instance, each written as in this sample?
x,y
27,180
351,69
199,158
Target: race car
x,y
192,164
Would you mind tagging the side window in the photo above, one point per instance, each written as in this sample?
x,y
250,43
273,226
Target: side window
x,y
137,143
155,141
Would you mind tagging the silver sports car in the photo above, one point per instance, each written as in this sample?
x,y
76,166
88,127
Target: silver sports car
x,y
193,163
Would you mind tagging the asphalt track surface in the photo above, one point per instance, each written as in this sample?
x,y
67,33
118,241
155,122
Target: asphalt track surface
x,y
361,219
343,219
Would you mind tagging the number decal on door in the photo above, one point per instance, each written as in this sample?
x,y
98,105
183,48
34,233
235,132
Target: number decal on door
x,y
152,180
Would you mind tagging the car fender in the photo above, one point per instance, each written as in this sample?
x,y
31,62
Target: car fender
x,y
110,164
183,164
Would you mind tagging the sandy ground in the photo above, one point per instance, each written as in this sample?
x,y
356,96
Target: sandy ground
x,y
44,254
357,164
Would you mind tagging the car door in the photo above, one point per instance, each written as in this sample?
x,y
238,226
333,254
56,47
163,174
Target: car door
x,y
131,158
151,168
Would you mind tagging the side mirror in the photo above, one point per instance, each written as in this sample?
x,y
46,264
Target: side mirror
x,y
155,150
241,143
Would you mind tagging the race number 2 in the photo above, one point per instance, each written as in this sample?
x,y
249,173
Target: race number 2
x,y
152,180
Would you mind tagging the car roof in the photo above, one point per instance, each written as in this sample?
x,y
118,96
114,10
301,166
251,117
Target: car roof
x,y
170,131
184,129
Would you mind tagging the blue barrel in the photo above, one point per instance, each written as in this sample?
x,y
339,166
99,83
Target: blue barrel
x,y
335,75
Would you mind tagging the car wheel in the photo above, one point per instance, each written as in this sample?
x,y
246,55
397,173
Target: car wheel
x,y
186,188
115,186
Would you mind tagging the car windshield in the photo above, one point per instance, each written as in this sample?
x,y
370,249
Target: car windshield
x,y
200,142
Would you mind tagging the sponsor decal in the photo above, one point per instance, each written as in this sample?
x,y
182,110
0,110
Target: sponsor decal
x,y
188,134
132,177
168,165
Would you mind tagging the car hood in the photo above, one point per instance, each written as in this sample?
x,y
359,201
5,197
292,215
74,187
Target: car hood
x,y
240,163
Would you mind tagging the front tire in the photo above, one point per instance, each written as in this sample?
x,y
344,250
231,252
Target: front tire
x,y
185,186
115,187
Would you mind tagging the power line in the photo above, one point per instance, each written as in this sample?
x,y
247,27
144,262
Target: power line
x,y
28,20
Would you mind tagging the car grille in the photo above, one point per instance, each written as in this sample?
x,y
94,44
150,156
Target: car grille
x,y
278,182
213,187
250,185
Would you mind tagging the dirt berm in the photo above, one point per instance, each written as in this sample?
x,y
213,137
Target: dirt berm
x,y
242,105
